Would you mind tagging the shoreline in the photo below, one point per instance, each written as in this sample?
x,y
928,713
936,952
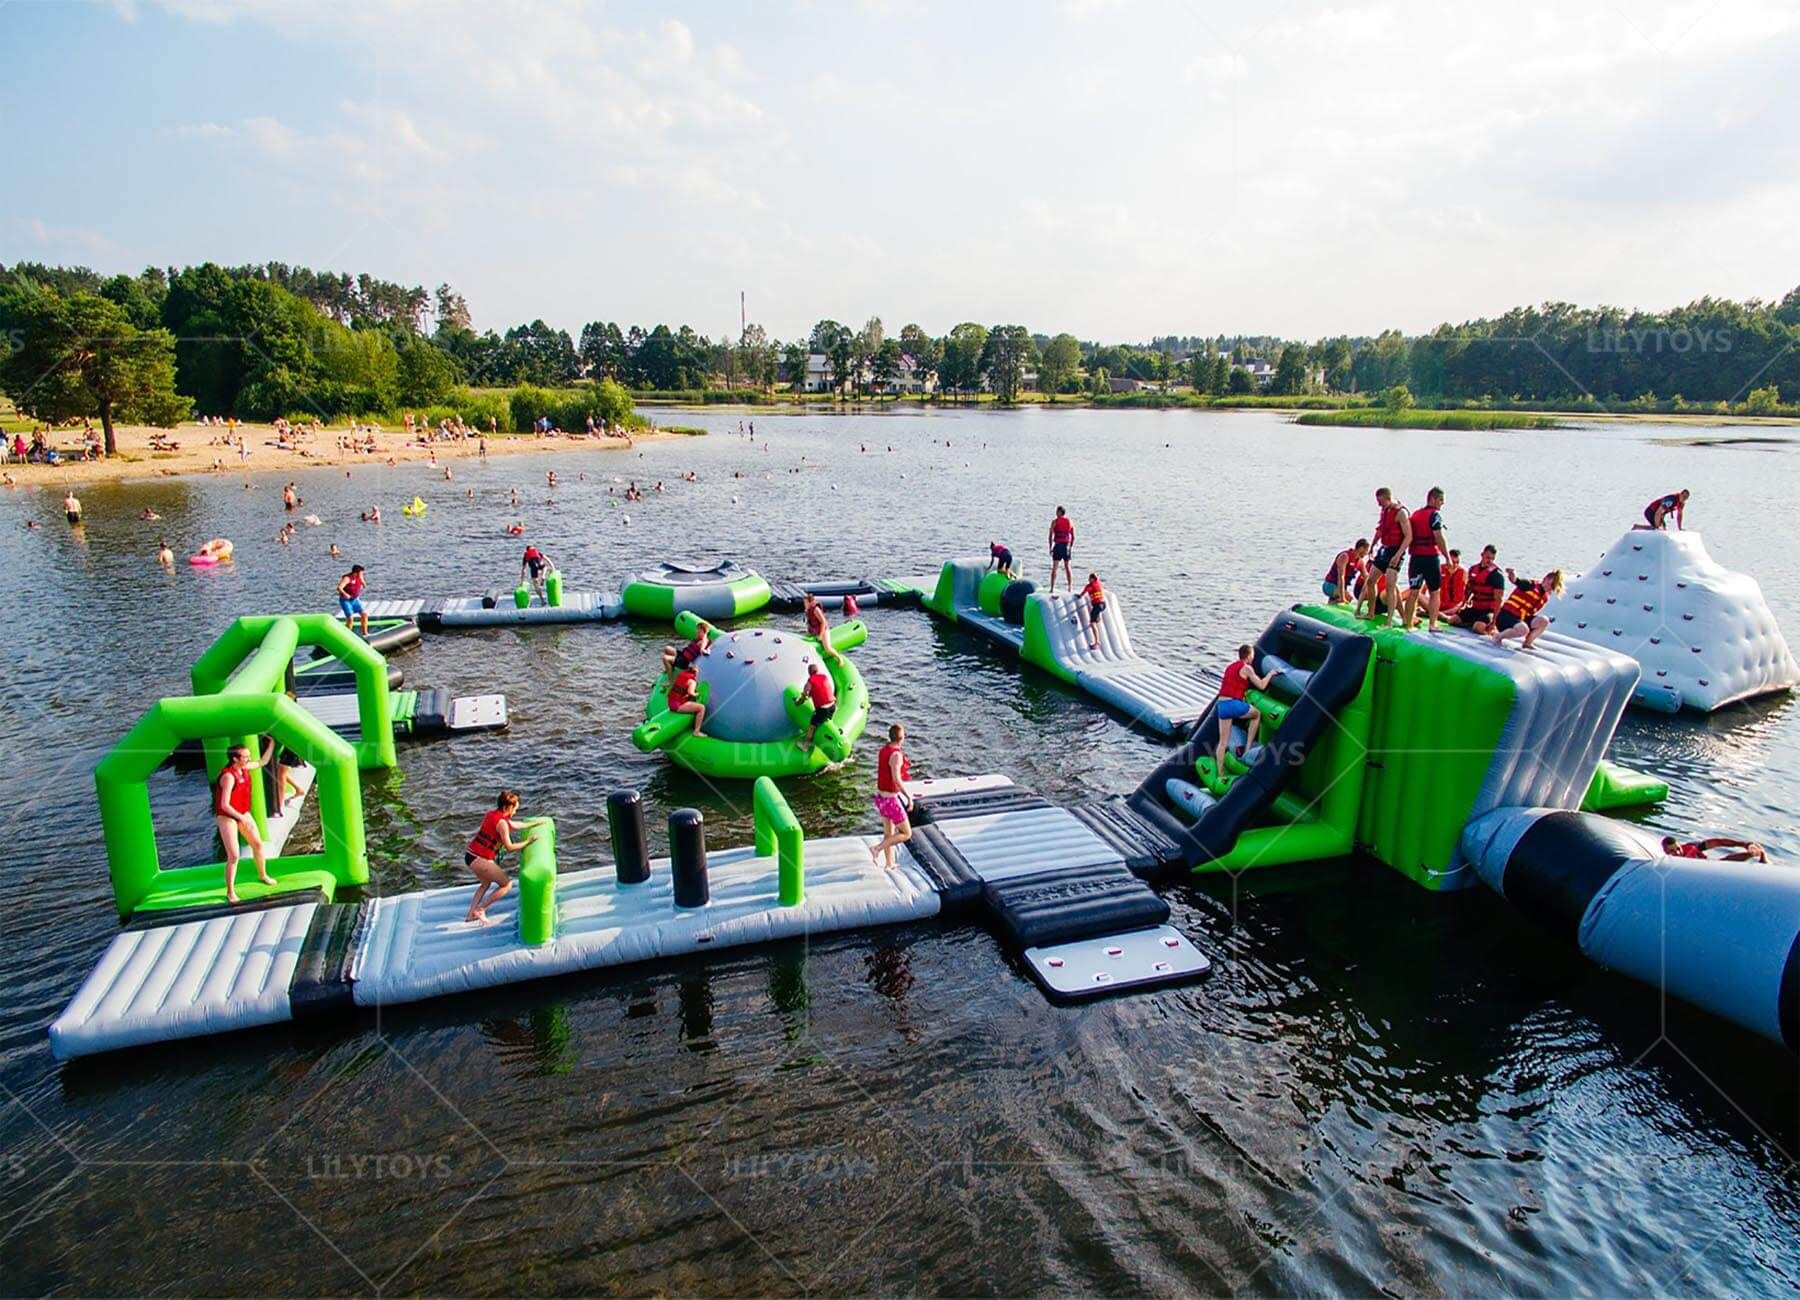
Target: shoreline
x,y
136,460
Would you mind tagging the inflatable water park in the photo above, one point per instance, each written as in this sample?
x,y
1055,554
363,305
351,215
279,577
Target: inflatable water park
x,y
1356,755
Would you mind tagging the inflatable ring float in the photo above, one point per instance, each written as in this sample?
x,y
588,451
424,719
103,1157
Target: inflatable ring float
x,y
752,683
725,590
217,551
416,509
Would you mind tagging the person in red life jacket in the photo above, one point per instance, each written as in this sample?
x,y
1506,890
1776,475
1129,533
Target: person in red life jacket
x,y
681,696
1393,534
1486,592
850,608
349,594
893,801
516,528
483,854
1233,707
1523,613
1737,850
818,627
532,568
231,813
1096,606
688,656
1425,560
1062,545
1000,559
1345,573
823,694
1657,513
1456,586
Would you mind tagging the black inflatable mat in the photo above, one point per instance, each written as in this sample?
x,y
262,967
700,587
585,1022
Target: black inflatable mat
x,y
1068,903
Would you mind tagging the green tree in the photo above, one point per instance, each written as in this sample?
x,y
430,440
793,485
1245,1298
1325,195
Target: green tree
x,y
1397,398
793,364
82,356
1764,401
961,354
922,350
1239,382
1290,371
1060,360
1008,353
426,373
885,364
835,343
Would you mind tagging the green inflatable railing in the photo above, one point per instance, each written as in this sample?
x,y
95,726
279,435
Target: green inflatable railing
x,y
253,656
140,883
778,835
537,885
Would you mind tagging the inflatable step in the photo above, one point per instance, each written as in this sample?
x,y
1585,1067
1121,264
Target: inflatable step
x,y
956,882
1143,846
1115,963
1064,904
974,803
321,983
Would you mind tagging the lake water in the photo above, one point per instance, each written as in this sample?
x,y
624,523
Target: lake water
x,y
1377,1089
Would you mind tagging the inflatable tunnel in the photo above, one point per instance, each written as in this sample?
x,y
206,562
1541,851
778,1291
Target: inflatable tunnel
x,y
1723,936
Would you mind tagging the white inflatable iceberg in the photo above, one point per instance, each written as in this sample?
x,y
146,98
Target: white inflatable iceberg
x,y
1704,635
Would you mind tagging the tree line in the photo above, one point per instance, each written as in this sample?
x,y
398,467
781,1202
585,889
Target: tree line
x,y
271,339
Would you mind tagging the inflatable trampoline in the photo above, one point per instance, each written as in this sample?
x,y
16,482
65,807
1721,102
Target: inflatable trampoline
x,y
752,683
1703,634
725,590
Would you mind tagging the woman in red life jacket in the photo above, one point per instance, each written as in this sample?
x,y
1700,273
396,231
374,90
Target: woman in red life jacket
x,y
681,696
688,656
1062,545
483,854
1096,600
1393,534
1522,614
893,801
231,813
1425,560
1456,585
1233,707
532,567
1486,591
1656,514
1345,572
818,627
823,694
1738,850
1000,558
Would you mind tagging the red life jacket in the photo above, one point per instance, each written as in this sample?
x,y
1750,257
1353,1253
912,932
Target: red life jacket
x,y
681,690
1425,522
1387,528
1527,599
821,691
239,798
1688,851
1484,593
353,585
488,839
815,621
883,761
1456,585
1353,566
1235,685
1062,528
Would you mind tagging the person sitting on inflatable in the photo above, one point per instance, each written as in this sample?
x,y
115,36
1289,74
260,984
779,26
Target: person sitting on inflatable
x,y
1233,707
1096,599
1656,514
688,656
681,697
1522,614
1345,572
1741,850
231,813
819,627
1456,586
1000,558
893,801
533,567
823,694
483,854
216,551
1486,592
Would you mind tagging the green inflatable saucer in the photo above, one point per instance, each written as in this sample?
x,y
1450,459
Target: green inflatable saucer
x,y
725,590
751,683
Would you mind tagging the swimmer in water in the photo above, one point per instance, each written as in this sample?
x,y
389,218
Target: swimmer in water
x,y
165,555
149,515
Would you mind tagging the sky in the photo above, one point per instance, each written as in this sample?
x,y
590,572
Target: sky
x,y
1118,169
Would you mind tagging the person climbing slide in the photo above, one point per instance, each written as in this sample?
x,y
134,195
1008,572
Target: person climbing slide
x,y
1234,707
1718,848
823,694
1096,606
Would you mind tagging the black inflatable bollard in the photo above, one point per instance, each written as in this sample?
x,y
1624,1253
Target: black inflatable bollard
x,y
687,857
625,822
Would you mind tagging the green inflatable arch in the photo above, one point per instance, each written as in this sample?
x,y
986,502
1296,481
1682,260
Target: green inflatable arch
x,y
259,649
139,881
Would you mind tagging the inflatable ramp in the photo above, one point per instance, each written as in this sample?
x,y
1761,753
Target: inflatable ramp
x,y
1703,634
500,608
418,715
1050,632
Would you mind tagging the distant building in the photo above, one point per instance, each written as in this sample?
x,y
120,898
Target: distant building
x,y
906,380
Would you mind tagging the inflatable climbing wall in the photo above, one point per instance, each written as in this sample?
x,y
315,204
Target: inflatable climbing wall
x,y
1704,635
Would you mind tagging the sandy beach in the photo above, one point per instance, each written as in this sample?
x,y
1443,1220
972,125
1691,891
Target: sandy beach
x,y
197,453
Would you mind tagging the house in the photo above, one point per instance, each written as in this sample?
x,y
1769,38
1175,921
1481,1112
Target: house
x,y
1120,384
906,380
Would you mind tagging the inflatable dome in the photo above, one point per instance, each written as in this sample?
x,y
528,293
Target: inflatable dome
x,y
1704,635
751,682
